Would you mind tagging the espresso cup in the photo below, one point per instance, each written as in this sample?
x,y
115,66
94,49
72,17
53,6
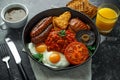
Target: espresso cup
x,y
14,15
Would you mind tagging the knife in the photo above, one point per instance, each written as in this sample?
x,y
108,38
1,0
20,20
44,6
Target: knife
x,y
16,56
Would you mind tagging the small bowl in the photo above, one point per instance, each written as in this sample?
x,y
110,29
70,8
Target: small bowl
x,y
56,12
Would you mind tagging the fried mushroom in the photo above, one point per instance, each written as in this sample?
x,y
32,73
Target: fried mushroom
x,y
85,36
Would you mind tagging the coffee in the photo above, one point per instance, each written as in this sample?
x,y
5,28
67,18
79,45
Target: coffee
x,y
15,14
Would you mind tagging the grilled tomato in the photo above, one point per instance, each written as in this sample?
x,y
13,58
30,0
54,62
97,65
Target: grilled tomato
x,y
76,53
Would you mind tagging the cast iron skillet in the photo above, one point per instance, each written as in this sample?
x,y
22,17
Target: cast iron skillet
x,y
56,12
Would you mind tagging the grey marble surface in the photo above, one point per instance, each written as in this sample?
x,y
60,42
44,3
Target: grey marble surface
x,y
105,64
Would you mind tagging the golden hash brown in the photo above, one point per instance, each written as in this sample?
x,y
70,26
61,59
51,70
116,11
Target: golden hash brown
x,y
83,6
62,21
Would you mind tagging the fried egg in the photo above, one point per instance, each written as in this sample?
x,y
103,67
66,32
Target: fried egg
x,y
54,60
34,49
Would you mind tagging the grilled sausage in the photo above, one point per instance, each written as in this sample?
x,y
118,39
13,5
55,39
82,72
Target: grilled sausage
x,y
41,26
41,37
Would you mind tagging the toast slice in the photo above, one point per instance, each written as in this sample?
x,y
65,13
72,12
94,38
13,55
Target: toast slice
x,y
83,6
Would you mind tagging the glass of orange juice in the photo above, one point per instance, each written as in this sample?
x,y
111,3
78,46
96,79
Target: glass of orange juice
x,y
107,16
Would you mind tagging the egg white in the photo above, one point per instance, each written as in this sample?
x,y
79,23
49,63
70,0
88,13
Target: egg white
x,y
61,64
31,47
46,54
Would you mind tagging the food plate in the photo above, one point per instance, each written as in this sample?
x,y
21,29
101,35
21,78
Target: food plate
x,y
56,12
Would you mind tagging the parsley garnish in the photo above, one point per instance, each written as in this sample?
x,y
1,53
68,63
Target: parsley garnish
x,y
91,50
62,33
39,57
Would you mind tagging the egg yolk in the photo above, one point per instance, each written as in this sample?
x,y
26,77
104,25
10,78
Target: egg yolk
x,y
40,48
54,57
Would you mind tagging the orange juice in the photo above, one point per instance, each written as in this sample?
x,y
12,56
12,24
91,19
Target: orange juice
x,y
106,18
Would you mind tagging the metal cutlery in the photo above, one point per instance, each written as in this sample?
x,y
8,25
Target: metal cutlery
x,y
5,58
16,56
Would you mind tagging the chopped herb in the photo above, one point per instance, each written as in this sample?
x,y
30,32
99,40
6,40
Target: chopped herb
x,y
90,53
62,33
39,57
40,60
91,49
36,56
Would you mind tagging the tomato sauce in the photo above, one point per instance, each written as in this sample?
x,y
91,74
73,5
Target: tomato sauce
x,y
56,42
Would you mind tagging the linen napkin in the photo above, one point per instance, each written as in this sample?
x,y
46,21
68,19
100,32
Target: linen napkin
x,y
82,72
14,69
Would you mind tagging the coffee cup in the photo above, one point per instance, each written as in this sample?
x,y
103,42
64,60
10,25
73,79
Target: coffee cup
x,y
14,15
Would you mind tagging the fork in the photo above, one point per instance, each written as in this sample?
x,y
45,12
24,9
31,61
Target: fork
x,y
5,58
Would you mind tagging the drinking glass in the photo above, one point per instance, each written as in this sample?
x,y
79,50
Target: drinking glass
x,y
107,16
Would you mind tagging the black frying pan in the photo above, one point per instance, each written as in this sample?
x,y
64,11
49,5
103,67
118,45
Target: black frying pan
x,y
56,12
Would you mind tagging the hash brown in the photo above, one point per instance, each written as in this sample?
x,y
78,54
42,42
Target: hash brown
x,y
62,21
